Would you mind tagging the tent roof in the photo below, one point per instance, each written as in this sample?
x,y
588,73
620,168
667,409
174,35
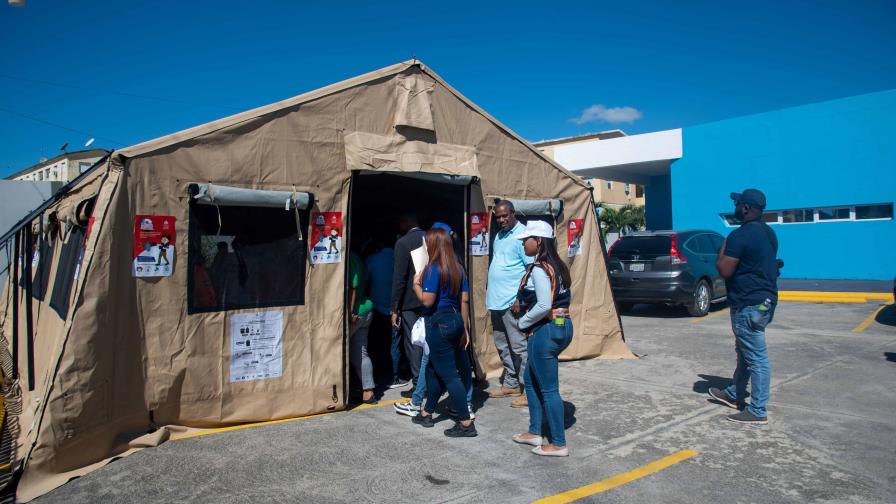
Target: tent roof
x,y
226,122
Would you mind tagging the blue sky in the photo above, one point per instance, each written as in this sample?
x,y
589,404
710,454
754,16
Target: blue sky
x,y
129,71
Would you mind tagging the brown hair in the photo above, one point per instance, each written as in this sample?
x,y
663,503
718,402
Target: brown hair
x,y
547,253
440,248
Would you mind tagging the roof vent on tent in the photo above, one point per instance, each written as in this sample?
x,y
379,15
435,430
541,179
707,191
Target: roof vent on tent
x,y
413,94
213,194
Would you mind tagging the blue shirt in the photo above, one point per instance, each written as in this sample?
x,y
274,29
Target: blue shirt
x,y
444,297
379,270
507,268
756,276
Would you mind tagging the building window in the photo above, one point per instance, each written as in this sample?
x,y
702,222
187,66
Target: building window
x,y
829,214
628,188
869,212
83,167
795,216
881,211
639,191
608,184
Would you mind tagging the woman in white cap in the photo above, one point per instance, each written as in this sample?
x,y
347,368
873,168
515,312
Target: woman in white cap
x,y
543,300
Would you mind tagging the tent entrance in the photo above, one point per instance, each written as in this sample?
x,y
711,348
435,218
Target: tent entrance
x,y
376,202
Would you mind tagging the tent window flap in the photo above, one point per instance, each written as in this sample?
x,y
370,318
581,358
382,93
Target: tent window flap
x,y
551,207
214,194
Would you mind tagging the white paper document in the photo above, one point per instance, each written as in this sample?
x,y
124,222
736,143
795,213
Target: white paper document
x,y
420,257
256,346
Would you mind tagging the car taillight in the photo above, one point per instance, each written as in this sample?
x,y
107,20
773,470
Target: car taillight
x,y
677,258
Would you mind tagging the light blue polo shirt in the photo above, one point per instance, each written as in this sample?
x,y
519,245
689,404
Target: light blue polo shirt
x,y
506,269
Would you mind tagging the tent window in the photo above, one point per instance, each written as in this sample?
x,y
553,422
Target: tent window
x,y
67,271
243,256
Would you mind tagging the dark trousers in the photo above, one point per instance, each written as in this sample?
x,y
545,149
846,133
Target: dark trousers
x,y
379,346
449,367
413,352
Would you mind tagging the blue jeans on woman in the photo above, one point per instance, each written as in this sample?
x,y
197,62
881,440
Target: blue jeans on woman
x,y
448,365
542,379
748,324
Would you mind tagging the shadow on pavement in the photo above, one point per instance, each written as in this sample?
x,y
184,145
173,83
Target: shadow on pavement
x,y
707,381
891,356
887,316
665,311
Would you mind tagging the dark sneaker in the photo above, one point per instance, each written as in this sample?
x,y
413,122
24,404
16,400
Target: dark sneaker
x,y
425,421
407,394
399,383
748,418
460,431
720,396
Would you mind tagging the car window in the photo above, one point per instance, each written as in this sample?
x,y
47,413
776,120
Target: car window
x,y
700,244
644,245
717,241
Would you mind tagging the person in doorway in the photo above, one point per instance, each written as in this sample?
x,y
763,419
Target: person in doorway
x,y
747,261
405,307
380,265
360,318
443,290
413,406
543,299
507,267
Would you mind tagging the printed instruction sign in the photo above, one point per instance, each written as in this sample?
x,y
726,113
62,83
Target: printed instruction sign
x,y
154,249
256,346
326,237
479,222
574,230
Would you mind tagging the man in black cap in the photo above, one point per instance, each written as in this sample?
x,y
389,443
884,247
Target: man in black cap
x,y
747,262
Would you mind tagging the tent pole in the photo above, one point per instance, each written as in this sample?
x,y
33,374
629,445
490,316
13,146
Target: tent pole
x,y
15,306
27,258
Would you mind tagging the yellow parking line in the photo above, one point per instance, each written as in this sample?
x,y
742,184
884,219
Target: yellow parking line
x,y
282,420
867,322
619,479
723,311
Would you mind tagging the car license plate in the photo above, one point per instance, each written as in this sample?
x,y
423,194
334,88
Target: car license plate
x,y
636,267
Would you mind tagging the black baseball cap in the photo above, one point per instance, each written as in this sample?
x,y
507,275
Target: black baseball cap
x,y
752,197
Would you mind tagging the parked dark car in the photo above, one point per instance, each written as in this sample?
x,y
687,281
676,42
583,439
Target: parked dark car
x,y
670,267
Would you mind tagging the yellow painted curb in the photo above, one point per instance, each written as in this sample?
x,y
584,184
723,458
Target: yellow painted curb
x,y
834,297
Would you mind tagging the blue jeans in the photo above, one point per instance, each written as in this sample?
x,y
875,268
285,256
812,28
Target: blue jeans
x,y
542,379
395,351
420,389
748,324
448,365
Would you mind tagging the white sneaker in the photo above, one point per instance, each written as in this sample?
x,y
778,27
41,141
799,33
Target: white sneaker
x,y
472,413
407,408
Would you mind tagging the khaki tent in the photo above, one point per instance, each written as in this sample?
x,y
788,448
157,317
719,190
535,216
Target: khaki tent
x,y
139,293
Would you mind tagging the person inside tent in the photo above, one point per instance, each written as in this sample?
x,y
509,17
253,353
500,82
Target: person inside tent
x,y
361,315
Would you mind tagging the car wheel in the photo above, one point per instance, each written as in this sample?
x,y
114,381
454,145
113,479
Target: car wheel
x,y
625,307
699,305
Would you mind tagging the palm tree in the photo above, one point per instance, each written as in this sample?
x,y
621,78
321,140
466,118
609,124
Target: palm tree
x,y
624,220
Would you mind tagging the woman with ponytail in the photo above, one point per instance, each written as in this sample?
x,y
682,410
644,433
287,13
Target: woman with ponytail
x,y
543,301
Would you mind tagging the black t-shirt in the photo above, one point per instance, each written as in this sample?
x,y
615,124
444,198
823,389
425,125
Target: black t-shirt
x,y
755,279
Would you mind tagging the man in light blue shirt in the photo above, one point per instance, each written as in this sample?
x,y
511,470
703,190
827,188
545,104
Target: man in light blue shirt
x,y
507,267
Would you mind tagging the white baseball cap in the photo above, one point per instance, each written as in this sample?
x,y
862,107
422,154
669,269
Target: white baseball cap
x,y
536,228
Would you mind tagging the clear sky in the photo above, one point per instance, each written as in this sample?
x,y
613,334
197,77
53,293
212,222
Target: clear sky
x,y
128,71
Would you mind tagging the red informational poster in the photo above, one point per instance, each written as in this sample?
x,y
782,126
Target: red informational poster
x,y
326,237
154,250
574,231
479,233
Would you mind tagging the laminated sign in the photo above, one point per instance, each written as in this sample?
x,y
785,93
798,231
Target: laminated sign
x,y
574,232
479,233
326,237
256,346
153,245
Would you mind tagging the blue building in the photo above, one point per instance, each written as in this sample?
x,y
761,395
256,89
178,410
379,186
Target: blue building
x,y
828,171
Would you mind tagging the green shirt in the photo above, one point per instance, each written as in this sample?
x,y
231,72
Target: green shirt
x,y
358,278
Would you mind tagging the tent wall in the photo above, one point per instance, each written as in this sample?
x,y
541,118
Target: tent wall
x,y
131,358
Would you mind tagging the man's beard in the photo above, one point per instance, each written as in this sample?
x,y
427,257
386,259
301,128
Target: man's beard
x,y
738,215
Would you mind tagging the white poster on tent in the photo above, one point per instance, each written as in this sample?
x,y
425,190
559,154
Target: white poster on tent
x,y
256,346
